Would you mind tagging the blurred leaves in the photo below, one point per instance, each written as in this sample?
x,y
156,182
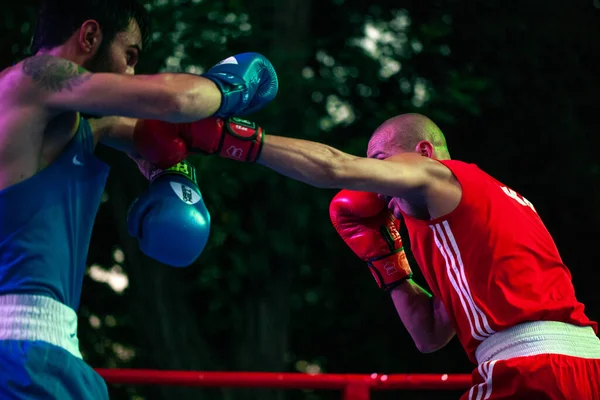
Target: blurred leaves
x,y
503,83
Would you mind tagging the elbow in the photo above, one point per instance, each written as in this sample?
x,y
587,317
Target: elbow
x,y
435,341
427,348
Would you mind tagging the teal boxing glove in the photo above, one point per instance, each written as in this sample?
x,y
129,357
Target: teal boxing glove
x,y
170,220
247,82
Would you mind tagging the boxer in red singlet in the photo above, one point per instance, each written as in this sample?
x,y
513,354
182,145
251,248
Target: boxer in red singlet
x,y
497,278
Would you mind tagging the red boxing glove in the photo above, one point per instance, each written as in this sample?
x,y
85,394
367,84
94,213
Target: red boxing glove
x,y
165,144
233,137
372,232
159,142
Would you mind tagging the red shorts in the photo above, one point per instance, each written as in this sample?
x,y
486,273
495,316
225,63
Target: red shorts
x,y
538,377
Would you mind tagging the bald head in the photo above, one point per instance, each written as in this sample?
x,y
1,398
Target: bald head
x,y
408,133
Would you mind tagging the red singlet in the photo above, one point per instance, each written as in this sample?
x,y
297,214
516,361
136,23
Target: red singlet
x,y
492,262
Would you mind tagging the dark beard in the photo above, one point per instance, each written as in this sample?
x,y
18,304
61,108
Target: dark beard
x,y
101,62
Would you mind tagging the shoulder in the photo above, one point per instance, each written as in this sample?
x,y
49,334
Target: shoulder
x,y
438,175
46,74
50,73
34,80
18,93
430,169
13,83
434,190
20,82
38,66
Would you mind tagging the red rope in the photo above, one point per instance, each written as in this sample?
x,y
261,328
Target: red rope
x,y
285,380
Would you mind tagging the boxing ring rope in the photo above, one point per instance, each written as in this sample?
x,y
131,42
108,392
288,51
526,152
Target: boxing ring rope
x,y
353,386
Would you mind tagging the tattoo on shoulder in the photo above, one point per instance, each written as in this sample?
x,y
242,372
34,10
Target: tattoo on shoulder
x,y
55,74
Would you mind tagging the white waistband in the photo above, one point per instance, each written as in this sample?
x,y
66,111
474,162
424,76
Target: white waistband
x,y
540,337
32,317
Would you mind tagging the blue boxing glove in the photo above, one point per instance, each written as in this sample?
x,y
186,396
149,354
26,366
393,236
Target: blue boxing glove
x,y
247,81
170,220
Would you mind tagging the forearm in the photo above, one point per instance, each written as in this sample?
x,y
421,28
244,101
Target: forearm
x,y
313,163
424,316
115,132
196,97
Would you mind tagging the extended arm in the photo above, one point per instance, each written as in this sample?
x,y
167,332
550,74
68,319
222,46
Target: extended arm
x,y
237,85
61,85
323,166
313,163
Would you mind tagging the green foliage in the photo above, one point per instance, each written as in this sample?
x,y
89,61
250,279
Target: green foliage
x,y
276,288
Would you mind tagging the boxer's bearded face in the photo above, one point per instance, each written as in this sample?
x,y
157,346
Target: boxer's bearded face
x,y
119,56
101,62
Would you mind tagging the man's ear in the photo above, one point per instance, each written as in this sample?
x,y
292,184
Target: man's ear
x,y
90,37
424,148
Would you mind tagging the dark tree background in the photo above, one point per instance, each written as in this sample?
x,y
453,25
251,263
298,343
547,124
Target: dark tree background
x,y
512,84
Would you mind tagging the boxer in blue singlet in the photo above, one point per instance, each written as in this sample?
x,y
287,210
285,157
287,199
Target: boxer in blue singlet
x,y
44,235
51,182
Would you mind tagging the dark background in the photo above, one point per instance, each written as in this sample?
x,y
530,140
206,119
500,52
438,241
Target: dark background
x,y
512,84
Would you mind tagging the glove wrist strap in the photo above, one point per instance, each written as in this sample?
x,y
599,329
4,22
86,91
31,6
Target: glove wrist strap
x,y
242,140
390,270
183,168
232,90
391,286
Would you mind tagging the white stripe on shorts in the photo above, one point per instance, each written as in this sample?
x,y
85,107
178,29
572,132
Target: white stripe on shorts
x,y
483,390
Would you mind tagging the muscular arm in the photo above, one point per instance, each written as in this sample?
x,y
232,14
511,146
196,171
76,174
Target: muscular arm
x,y
61,85
424,316
323,166
115,132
